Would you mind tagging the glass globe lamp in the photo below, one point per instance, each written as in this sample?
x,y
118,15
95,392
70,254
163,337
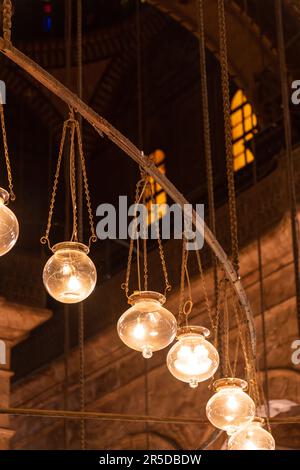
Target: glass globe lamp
x,y
193,359
9,226
230,407
252,437
147,326
70,275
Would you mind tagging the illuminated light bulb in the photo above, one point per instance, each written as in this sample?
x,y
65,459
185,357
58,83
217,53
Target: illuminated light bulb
x,y
252,436
193,359
147,326
230,407
9,226
70,275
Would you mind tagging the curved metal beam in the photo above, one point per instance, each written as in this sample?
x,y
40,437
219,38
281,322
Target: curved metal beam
x,y
104,127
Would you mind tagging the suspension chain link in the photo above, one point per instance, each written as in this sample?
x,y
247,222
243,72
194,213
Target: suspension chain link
x,y
7,16
228,137
73,126
74,236
138,195
93,237
168,286
45,238
6,155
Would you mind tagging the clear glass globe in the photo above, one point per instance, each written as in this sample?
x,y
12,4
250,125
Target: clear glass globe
x,y
70,275
9,226
230,407
252,437
193,359
147,326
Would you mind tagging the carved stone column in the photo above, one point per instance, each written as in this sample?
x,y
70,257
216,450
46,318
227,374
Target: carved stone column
x,y
16,323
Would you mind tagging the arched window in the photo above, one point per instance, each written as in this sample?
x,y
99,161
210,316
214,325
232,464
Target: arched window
x,y
243,126
158,193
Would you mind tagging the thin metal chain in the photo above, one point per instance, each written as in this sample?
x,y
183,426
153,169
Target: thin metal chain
x,y
138,195
207,135
185,305
228,137
6,155
218,342
168,286
145,253
45,238
141,186
228,368
68,59
206,299
7,16
73,125
80,210
93,237
74,236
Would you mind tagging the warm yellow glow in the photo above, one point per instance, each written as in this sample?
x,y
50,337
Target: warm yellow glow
x,y
229,408
251,437
243,126
147,326
157,195
192,359
70,275
139,331
74,284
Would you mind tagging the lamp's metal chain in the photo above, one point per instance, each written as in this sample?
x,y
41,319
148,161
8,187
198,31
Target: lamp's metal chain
x,y
45,238
204,288
7,16
6,155
80,210
141,190
73,126
93,237
74,236
206,135
228,137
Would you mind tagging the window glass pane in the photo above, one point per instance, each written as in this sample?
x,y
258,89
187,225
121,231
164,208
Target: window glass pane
x,y
243,124
239,162
237,131
236,117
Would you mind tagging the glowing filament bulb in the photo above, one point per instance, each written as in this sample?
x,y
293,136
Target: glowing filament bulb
x,y
74,283
139,331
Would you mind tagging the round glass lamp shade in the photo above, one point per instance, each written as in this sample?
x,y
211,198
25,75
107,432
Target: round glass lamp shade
x,y
230,407
252,437
9,226
193,359
147,326
70,275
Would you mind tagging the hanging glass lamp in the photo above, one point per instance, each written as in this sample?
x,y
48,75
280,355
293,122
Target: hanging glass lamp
x,y
70,275
252,437
9,226
193,359
147,326
230,407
